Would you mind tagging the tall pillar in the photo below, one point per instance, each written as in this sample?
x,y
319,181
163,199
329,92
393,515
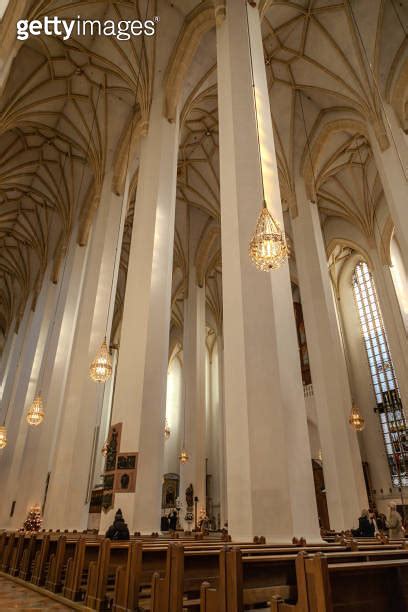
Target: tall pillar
x,y
394,181
39,450
342,463
269,472
73,461
6,356
10,377
194,348
222,448
140,394
24,393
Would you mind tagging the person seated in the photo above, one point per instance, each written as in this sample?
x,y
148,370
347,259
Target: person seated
x,y
366,527
118,530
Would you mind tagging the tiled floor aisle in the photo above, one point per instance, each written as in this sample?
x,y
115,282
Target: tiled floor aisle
x,y
15,597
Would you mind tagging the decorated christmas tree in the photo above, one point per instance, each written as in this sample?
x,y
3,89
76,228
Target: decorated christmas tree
x,y
33,520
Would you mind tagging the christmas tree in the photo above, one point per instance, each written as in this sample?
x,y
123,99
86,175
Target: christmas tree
x,y
33,520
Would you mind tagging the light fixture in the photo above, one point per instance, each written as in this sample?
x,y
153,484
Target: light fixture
x,y
356,420
105,449
3,436
101,368
167,430
183,457
35,414
268,248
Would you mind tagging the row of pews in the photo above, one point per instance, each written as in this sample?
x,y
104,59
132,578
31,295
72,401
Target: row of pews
x,y
152,574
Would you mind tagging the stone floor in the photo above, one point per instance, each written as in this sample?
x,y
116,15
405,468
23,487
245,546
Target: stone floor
x,y
16,597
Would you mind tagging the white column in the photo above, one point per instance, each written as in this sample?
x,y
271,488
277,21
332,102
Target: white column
x,y
399,278
222,449
394,182
342,463
25,389
11,374
194,372
71,474
269,472
38,460
6,355
140,394
174,411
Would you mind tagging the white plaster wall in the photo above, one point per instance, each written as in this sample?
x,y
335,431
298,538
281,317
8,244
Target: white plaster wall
x,y
172,445
213,428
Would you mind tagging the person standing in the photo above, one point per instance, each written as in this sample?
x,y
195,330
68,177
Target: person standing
x,y
394,524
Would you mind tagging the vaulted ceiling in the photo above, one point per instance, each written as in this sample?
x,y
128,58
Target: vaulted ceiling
x,y
66,108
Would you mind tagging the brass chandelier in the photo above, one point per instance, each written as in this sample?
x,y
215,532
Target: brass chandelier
x,y
356,420
35,414
100,369
167,430
3,436
183,457
268,248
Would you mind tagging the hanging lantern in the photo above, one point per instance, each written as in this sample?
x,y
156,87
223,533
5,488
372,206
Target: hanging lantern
x,y
35,414
355,419
183,457
268,248
167,430
101,367
3,437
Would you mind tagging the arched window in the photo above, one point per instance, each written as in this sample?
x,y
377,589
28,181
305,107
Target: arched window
x,y
383,377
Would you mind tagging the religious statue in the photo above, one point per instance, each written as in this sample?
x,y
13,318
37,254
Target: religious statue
x,y
112,450
190,496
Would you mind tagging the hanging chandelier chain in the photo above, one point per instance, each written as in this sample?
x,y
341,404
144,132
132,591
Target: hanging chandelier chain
x,y
118,251
308,144
49,337
50,334
251,63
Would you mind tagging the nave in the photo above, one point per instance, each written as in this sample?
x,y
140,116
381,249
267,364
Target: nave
x,y
204,304
206,574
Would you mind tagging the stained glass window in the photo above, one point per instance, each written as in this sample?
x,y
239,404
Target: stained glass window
x,y
389,406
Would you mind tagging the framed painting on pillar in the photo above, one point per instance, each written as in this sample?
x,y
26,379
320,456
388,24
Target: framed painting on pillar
x,y
120,469
125,475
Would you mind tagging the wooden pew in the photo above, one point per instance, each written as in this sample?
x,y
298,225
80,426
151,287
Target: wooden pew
x,y
4,537
280,579
374,586
8,552
39,561
87,552
17,553
27,558
64,556
116,577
